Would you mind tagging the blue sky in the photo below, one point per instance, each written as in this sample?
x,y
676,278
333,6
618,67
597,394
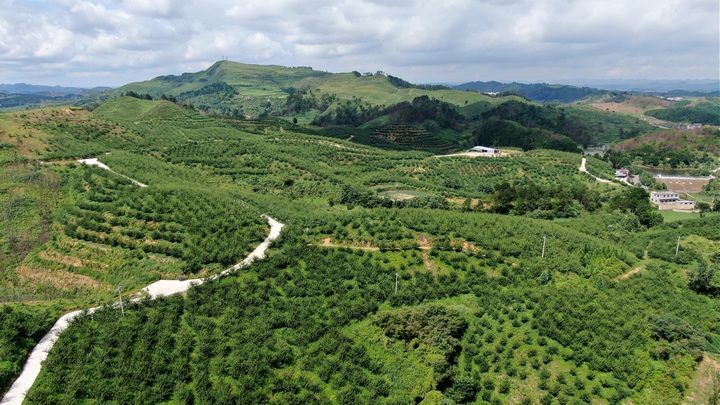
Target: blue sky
x,y
112,42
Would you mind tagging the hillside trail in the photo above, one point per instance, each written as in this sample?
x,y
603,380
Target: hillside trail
x,y
96,162
583,169
19,389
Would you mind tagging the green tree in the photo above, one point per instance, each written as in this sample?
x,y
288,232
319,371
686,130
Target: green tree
x,y
705,279
637,201
703,207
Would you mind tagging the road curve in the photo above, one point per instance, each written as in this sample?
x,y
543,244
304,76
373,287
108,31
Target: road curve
x,y
18,391
583,169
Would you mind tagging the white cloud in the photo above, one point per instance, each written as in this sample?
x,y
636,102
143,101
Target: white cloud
x,y
154,8
116,41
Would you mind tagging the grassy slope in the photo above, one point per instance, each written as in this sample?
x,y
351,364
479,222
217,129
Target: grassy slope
x,y
632,105
637,105
262,79
268,81
377,90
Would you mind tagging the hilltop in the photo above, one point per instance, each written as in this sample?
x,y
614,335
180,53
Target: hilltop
x,y
255,90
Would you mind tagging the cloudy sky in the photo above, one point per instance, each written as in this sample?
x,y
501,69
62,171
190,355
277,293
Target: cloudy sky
x,y
113,42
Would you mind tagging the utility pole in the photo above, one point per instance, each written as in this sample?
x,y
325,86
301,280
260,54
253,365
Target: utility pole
x,y
677,249
544,242
122,310
396,283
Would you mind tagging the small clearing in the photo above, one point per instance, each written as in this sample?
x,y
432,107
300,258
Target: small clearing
x,y
429,265
401,195
424,243
60,279
636,270
705,381
327,243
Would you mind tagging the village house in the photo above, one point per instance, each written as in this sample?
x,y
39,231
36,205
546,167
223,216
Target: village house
x,y
669,200
622,173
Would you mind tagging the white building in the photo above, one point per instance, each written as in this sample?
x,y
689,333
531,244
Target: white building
x,y
669,200
485,150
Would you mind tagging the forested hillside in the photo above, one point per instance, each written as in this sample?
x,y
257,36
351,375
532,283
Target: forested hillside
x,y
401,276
670,148
540,92
704,112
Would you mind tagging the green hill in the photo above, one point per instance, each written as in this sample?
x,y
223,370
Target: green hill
x,y
704,111
231,88
519,278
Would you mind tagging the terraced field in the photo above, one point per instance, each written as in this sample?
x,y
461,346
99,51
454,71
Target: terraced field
x,y
409,137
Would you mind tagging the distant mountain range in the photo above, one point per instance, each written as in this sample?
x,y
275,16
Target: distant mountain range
x,y
560,93
20,95
50,91
540,92
655,86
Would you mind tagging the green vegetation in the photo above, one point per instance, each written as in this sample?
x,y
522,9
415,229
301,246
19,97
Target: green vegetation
x,y
21,328
324,325
707,112
509,133
669,148
400,277
585,126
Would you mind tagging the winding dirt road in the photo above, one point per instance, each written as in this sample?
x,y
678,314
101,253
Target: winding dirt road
x,y
584,170
21,386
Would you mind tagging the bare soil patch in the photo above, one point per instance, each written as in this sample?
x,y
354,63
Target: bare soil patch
x,y
630,273
423,242
364,246
705,381
429,265
60,279
54,256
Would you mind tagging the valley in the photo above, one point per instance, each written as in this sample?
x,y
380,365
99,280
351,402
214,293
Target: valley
x,y
406,272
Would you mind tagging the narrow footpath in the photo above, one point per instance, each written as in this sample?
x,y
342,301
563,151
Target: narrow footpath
x,y
21,386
